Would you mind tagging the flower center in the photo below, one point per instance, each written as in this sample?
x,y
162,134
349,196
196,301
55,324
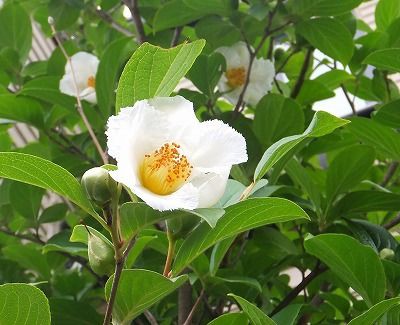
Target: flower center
x,y
165,170
91,82
236,77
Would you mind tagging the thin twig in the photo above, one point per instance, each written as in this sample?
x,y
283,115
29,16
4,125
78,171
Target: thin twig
x,y
192,312
394,222
104,15
134,9
302,76
78,99
351,103
390,173
119,266
175,37
300,287
31,238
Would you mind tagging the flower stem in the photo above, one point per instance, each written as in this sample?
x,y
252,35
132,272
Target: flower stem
x,y
119,265
78,99
170,254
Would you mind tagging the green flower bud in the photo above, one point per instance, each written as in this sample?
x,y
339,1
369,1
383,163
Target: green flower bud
x,y
180,226
99,185
386,254
101,256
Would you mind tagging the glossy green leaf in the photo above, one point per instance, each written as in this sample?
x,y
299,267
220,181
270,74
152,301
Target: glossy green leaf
x,y
313,91
22,303
356,264
60,243
288,315
255,315
322,7
387,59
386,12
333,78
277,117
368,201
139,290
21,109
65,12
114,56
329,36
15,30
384,139
26,200
81,235
389,114
140,245
231,319
154,71
373,314
348,169
323,123
238,218
46,174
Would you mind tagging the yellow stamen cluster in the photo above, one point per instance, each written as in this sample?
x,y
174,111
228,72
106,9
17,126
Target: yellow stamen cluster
x,y
165,170
236,77
91,82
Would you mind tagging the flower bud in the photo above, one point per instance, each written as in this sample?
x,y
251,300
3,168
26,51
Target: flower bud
x,y
101,255
386,254
180,226
99,186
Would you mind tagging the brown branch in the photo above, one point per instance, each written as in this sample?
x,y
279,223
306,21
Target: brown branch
x,y
390,173
302,76
134,9
394,222
31,238
300,287
351,103
105,16
184,302
175,37
193,311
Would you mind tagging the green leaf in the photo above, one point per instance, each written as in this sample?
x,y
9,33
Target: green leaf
x,y
139,290
140,245
313,91
60,243
206,72
65,12
255,315
333,78
322,7
112,60
26,200
348,169
329,36
136,216
22,303
238,218
15,30
356,264
387,59
288,315
81,235
368,201
67,312
21,109
323,123
217,31
389,114
283,116
231,319
386,12
154,71
53,213
373,314
181,12
384,139
43,173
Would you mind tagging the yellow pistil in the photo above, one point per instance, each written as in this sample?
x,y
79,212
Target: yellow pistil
x,y
91,82
165,170
236,77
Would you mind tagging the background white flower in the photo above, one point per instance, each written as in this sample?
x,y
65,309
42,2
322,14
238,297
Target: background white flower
x,y
237,63
168,158
85,68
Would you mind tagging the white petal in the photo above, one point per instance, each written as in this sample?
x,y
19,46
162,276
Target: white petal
x,y
236,56
218,145
67,85
89,94
211,186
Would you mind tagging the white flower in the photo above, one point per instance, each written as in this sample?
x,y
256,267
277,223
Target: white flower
x,y
168,158
84,66
237,63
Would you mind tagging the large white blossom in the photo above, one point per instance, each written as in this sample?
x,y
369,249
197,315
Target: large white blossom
x,y
237,63
84,66
168,158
